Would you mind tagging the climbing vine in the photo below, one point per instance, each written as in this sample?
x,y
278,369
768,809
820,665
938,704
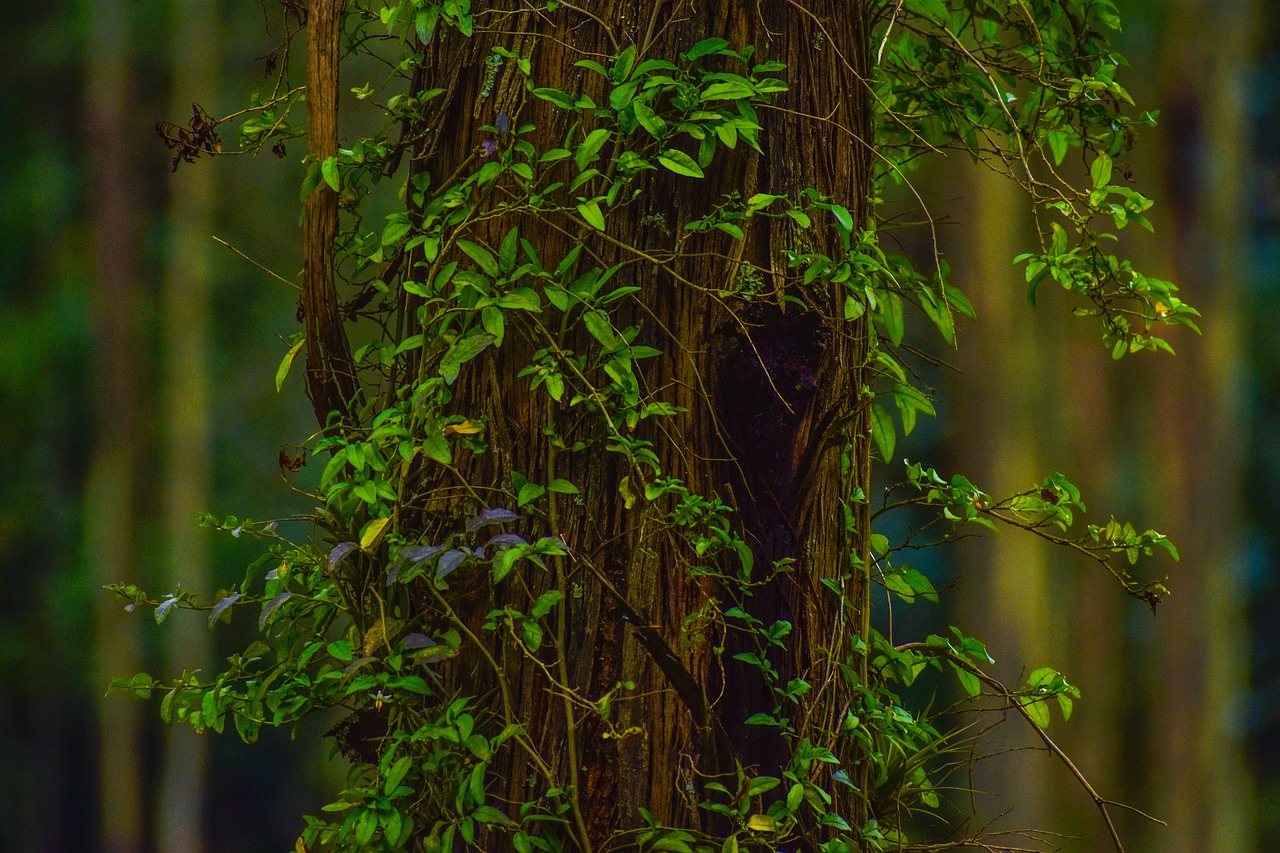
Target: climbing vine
x,y
594,548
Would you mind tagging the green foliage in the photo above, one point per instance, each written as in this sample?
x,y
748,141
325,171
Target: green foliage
x,y
364,616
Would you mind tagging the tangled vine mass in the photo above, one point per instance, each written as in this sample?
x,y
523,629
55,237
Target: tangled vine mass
x,y
593,559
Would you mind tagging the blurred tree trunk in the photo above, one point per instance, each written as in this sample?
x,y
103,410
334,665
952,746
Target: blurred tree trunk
x,y
1159,725
1008,598
1199,778
194,57
111,516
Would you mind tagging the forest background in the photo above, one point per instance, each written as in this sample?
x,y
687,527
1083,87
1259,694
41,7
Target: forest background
x,y
137,366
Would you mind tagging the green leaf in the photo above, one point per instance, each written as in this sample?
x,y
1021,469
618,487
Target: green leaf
x,y
397,227
372,534
590,211
555,96
1100,171
1057,145
891,317
727,90
933,10
730,229
437,447
940,314
310,182
521,299
968,680
507,250
490,815
506,561
283,370
624,62
530,492
882,431
563,487
461,352
650,120
705,48
329,170
621,96
843,217
589,150
494,322
957,300
598,325
397,773
1037,709
680,163
481,256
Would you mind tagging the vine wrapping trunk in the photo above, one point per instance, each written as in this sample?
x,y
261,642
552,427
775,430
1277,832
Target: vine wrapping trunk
x,y
594,552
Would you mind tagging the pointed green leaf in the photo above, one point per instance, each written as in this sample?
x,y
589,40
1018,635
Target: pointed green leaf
x,y
329,169
507,250
680,163
590,211
1100,171
589,150
283,370
481,256
882,431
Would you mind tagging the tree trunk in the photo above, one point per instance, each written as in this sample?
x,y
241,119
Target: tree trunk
x,y
111,490
1197,725
770,404
195,52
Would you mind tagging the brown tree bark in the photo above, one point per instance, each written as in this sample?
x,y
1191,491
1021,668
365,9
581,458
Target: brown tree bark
x,y
771,399
330,374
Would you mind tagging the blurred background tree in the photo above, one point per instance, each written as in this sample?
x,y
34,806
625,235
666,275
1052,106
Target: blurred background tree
x,y
136,384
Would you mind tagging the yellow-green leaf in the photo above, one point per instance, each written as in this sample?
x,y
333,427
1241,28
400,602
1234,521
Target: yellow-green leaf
x,y
373,533
283,370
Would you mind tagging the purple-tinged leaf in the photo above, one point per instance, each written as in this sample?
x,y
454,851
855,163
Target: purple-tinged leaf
x,y
417,641
496,515
449,562
419,553
341,550
505,540
163,608
271,606
412,556
356,664
221,607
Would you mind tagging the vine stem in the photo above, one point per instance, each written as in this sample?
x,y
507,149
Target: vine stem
x,y
503,687
562,665
1100,801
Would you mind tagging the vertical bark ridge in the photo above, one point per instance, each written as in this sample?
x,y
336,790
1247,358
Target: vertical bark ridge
x,y
331,379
